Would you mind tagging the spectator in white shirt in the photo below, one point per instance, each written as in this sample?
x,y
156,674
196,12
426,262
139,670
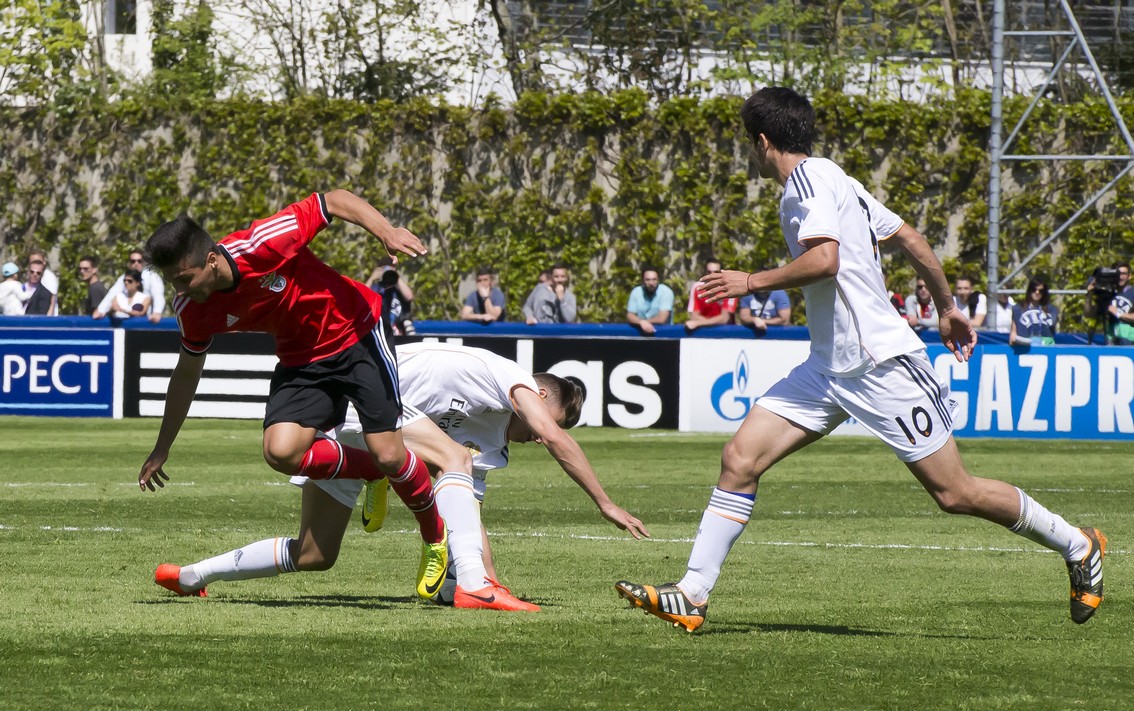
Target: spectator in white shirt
x,y
152,286
13,296
973,305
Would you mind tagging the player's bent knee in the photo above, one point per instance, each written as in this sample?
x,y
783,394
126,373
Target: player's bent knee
x,y
737,467
955,501
284,462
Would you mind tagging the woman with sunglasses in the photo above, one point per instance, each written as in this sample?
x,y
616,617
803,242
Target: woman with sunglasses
x,y
134,302
1034,318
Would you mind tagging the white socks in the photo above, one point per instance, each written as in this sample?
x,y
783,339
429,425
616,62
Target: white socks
x,y
1049,530
262,559
457,504
723,522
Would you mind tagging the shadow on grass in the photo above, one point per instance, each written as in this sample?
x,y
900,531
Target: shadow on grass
x,y
837,630
369,602
747,627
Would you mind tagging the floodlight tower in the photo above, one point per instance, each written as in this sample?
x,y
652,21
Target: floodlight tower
x,y
999,149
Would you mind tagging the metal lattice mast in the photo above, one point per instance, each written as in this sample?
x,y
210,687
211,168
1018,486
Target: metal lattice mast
x,y
998,149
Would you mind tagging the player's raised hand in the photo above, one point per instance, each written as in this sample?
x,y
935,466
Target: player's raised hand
x,y
727,284
957,334
405,242
624,520
152,474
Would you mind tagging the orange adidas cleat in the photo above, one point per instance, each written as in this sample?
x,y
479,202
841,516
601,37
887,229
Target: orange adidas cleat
x,y
1086,578
493,596
168,576
667,602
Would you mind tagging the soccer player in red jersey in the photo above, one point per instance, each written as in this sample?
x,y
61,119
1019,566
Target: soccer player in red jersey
x,y
333,347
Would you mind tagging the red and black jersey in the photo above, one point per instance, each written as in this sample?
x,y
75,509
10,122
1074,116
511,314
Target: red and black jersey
x,y
282,288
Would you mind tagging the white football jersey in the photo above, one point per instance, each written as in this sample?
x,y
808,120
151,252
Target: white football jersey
x,y
467,392
852,323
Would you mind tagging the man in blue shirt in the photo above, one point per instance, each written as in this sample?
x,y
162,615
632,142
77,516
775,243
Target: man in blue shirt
x,y
486,303
650,303
765,308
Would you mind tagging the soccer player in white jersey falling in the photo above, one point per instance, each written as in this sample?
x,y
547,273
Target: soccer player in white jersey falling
x,y
482,401
865,363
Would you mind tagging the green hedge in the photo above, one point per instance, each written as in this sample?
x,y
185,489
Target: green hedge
x,y
604,182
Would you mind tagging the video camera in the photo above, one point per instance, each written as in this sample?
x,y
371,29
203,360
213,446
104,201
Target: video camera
x,y
1106,279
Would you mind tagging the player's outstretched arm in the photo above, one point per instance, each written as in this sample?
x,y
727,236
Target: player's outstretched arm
x,y
535,413
178,398
956,332
820,261
345,205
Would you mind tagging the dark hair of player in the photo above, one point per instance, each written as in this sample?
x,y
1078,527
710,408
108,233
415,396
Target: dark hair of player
x,y
179,242
651,268
564,393
785,117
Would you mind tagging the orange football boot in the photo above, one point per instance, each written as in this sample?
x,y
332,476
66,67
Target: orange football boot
x,y
493,596
168,576
667,602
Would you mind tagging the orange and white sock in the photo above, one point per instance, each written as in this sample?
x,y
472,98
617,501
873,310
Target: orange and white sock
x,y
1048,529
262,559
723,522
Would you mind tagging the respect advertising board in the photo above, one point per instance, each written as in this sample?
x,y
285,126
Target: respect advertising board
x,y
62,373
1048,392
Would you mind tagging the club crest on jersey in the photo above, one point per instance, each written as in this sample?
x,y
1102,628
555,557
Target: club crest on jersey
x,y
473,447
273,282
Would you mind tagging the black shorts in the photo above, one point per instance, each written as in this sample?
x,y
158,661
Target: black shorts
x,y
316,394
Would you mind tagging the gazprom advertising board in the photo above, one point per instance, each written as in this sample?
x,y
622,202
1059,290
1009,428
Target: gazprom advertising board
x,y
1045,392
56,372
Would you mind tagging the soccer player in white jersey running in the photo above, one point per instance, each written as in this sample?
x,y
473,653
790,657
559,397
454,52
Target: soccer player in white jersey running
x,y
482,401
865,363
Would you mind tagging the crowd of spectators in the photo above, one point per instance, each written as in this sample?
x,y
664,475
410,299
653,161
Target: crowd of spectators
x,y
1032,320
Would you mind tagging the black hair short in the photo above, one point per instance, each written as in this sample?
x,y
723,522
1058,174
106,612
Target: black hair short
x,y
783,116
178,242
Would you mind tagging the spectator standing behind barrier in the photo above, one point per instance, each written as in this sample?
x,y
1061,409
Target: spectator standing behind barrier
x,y
13,296
974,305
1119,309
485,303
49,278
708,313
921,312
134,302
96,290
152,286
1003,313
397,296
41,301
765,308
1034,319
553,302
650,303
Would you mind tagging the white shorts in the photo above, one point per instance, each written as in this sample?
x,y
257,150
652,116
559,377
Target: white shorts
x,y
902,401
346,491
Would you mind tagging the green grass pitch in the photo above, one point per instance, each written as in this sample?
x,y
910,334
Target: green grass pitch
x,y
849,590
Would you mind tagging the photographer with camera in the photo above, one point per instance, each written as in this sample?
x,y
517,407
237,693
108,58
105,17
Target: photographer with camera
x,y
397,296
1110,296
